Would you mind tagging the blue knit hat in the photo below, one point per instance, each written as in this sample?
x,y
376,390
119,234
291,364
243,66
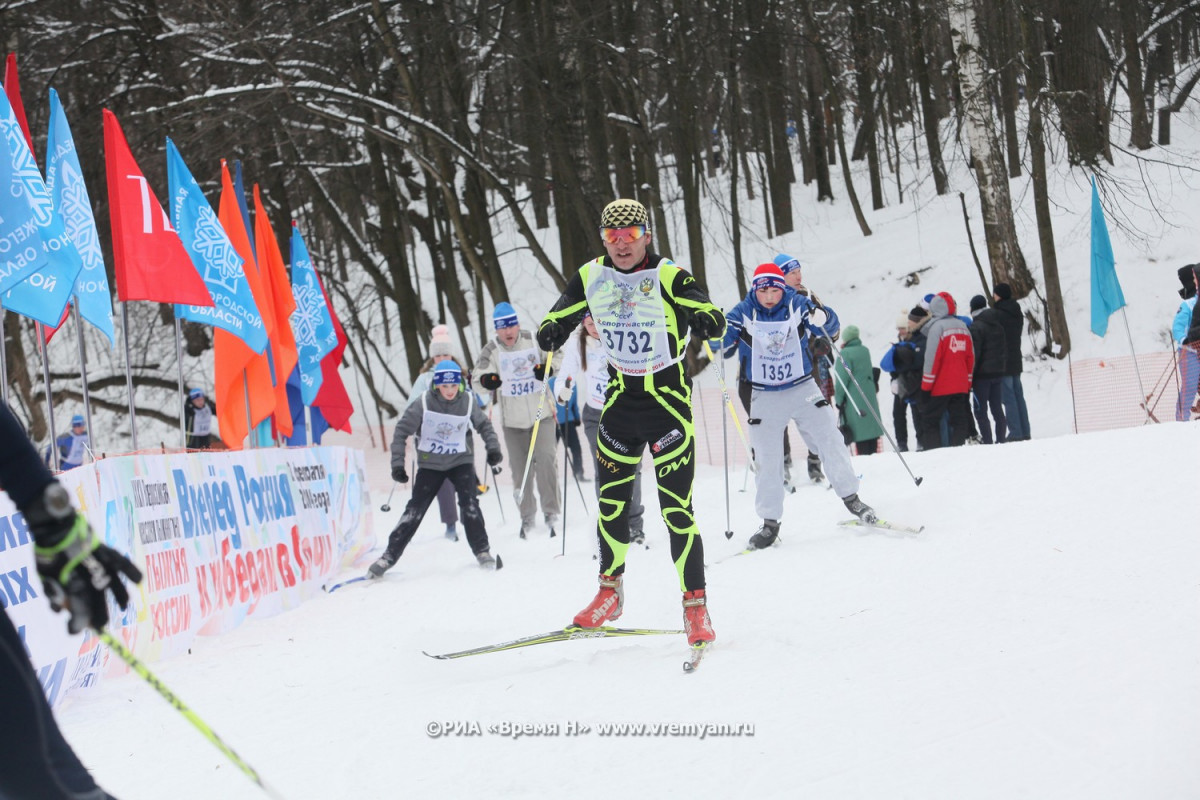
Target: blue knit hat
x,y
77,420
447,373
786,263
194,393
504,316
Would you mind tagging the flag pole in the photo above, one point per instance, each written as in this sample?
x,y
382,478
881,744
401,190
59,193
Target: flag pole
x,y
246,400
3,358
182,391
55,459
129,374
1136,371
87,397
308,431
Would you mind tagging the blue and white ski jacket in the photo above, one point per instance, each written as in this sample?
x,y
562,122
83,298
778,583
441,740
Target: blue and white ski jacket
x,y
793,304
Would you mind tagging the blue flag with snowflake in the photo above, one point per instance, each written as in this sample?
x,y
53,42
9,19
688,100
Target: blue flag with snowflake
x,y
43,293
64,181
21,253
216,260
315,335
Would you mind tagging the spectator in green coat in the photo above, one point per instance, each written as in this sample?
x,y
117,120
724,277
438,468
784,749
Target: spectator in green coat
x,y
860,412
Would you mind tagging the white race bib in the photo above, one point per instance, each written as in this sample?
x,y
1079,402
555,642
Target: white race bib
x,y
516,370
628,312
443,434
597,379
775,358
78,448
202,421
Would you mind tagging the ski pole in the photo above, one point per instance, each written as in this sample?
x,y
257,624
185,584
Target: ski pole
x,y
494,471
386,507
566,484
895,448
725,453
537,421
729,405
137,666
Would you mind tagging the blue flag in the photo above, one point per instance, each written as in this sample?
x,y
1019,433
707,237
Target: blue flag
x,y
64,181
300,432
21,251
1106,290
44,293
315,335
215,259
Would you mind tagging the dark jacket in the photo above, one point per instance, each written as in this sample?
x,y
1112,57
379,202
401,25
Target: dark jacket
x,y
1013,322
991,348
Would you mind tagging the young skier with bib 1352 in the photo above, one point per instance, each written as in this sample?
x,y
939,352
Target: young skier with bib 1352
x,y
772,326
643,305
441,421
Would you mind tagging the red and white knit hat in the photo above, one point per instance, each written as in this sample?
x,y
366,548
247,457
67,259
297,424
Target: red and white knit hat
x,y
768,276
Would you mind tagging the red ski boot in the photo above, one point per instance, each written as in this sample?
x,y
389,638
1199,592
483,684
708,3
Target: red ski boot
x,y
696,623
606,606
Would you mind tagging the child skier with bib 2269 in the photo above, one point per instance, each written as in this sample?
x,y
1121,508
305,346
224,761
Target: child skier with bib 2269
x,y
441,422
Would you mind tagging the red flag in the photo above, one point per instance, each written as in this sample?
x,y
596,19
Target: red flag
x,y
279,288
12,88
231,356
148,257
332,398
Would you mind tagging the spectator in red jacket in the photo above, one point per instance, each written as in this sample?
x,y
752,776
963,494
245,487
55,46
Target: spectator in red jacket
x,y
946,382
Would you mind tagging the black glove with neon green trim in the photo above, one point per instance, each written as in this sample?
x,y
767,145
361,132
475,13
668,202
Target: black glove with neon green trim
x,y
708,324
76,568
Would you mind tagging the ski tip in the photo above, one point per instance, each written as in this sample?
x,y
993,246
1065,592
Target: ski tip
x,y
434,655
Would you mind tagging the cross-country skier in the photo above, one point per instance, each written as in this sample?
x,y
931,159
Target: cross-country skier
x,y
441,422
78,572
772,327
643,305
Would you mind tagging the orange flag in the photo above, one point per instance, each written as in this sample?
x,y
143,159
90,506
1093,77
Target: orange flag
x,y
148,256
232,358
279,289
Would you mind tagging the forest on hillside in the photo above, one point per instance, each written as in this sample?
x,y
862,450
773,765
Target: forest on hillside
x,y
399,132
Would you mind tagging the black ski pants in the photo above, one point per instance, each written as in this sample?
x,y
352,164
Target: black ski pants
x,y
36,763
661,420
425,487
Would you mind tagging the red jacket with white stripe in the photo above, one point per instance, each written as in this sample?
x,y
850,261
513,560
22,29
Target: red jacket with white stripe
x,y
949,352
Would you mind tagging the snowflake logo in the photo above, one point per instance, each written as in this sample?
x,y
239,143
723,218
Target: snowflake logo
x,y
223,266
307,316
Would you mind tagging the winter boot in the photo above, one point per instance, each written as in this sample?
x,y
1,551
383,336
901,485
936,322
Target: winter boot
x,y
696,623
814,468
637,536
606,606
486,560
766,535
860,509
381,565
451,532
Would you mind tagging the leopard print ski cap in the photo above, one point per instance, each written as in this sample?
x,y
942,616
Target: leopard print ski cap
x,y
620,213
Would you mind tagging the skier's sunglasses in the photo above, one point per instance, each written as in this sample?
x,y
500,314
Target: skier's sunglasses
x,y
630,233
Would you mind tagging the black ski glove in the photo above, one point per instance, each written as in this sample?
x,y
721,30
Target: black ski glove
x,y
539,371
399,475
494,457
490,381
551,336
75,567
708,324
820,346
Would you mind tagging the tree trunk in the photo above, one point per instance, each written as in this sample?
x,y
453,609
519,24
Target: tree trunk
x,y
1004,250
816,126
1035,85
1078,75
853,195
1140,134
864,84
929,117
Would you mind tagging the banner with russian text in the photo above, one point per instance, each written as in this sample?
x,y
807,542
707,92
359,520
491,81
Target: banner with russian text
x,y
219,536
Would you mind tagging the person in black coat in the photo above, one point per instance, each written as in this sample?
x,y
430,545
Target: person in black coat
x,y
987,335
1016,415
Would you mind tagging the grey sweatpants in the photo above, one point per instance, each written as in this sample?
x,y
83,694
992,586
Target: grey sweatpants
x,y
817,422
542,472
